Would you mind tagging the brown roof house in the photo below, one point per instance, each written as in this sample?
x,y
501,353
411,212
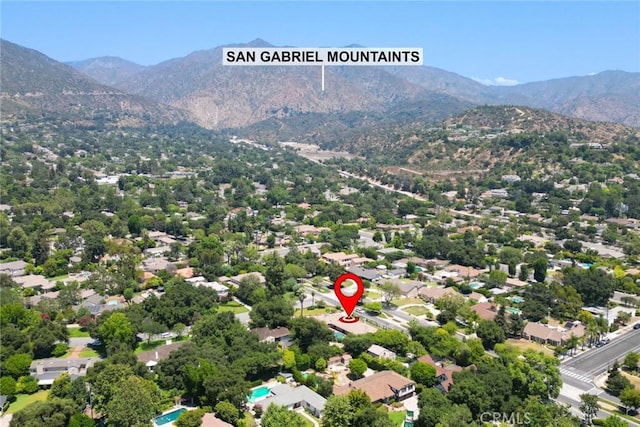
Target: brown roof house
x,y
545,334
340,258
381,387
280,335
485,310
444,373
434,294
152,357
210,420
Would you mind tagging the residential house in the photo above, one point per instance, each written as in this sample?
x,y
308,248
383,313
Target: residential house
x,y
47,370
305,230
210,420
433,294
476,296
295,397
35,281
280,335
186,272
339,361
381,352
13,268
381,387
554,335
510,178
464,271
221,290
235,280
154,265
444,373
152,357
408,288
485,310
339,258
369,274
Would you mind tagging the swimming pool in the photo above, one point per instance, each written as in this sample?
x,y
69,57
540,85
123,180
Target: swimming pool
x,y
516,300
339,335
169,417
513,310
258,393
475,285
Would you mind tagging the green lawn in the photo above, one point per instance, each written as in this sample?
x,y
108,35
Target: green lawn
x,y
232,306
23,400
88,352
145,346
416,310
397,417
314,311
77,333
406,301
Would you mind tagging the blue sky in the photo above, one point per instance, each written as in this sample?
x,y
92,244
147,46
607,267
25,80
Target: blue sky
x,y
496,42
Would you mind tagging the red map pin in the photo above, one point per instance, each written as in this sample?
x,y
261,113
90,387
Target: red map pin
x,y
348,302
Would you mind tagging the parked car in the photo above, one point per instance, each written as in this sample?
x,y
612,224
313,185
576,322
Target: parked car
x,y
636,326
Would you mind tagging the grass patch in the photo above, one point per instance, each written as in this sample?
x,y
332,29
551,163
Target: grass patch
x,y
314,311
88,352
146,346
617,409
406,301
397,417
635,380
232,306
523,345
416,310
23,400
78,333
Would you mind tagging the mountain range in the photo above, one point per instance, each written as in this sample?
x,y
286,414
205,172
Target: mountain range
x,y
34,84
198,87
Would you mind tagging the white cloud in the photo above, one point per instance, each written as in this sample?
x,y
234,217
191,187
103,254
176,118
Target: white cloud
x,y
498,81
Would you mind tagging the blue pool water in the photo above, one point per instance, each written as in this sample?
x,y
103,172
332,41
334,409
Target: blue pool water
x,y
257,393
169,417
339,335
517,300
513,310
475,285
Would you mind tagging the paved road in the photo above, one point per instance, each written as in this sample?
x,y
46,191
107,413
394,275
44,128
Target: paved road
x,y
596,361
80,342
579,372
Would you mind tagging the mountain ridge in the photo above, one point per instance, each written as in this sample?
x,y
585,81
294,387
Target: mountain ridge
x,y
221,97
33,82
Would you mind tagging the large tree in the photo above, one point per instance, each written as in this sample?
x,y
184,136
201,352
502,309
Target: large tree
x,y
424,374
589,406
120,411
51,413
390,291
337,412
116,328
278,416
594,285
